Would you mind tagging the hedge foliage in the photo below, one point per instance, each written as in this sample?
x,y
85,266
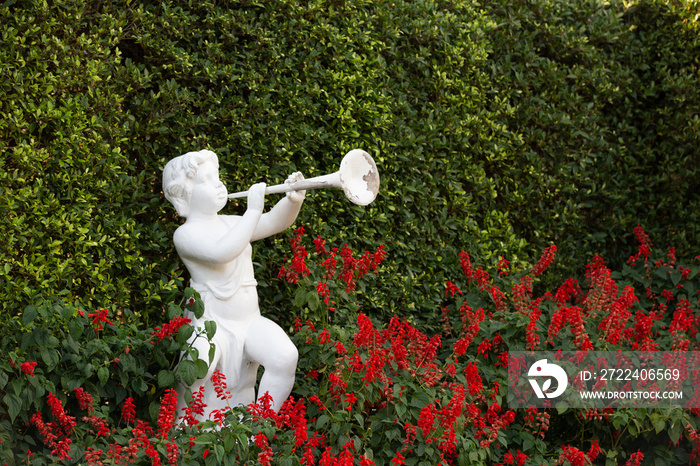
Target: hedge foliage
x,y
497,127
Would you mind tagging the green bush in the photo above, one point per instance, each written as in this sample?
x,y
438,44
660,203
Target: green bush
x,y
600,107
498,128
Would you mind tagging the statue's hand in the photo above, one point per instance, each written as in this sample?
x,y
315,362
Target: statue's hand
x,y
295,196
256,197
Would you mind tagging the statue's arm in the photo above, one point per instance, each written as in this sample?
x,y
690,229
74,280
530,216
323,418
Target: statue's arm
x,y
278,219
283,214
198,245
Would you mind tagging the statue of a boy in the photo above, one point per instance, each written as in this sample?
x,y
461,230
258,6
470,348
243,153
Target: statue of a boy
x,y
217,253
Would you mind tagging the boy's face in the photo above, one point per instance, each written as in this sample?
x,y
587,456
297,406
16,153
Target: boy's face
x,y
209,195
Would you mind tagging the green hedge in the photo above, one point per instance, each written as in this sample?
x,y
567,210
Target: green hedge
x,y
497,127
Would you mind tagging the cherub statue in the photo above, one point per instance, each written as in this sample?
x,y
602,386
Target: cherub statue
x,y
217,252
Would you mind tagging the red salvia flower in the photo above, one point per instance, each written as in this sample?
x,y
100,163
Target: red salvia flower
x,y
498,298
398,459
218,379
635,459
84,400
483,280
320,245
426,420
129,410
613,324
466,264
28,367
474,383
67,422
169,329
99,425
451,289
503,267
568,290
522,293
101,317
594,451
172,452
644,248
46,431
573,455
93,457
62,449
520,458
194,408
265,455
350,399
533,338
166,414
545,260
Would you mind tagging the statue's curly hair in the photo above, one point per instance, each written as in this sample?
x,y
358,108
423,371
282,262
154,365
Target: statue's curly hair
x,y
177,176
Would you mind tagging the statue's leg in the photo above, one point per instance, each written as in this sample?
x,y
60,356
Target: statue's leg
x,y
267,344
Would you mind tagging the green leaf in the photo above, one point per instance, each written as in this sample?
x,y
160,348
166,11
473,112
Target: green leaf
x,y
312,300
30,313
103,375
14,405
50,357
322,421
202,368
165,378
300,296
659,425
219,450
674,433
187,370
210,328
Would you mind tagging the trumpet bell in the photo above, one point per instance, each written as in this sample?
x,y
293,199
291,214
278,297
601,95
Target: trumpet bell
x,y
359,177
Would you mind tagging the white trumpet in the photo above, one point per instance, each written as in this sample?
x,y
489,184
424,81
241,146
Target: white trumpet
x,y
358,176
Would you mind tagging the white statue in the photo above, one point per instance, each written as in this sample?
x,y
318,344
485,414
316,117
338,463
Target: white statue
x,y
217,252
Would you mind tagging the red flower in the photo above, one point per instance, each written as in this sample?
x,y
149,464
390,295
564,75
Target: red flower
x,y
573,455
320,245
594,451
84,399
28,367
351,399
483,347
398,459
218,379
466,264
166,415
635,459
545,260
364,461
129,410
265,455
340,349
426,419
195,407
503,266
644,248
170,328
67,422
100,317
451,289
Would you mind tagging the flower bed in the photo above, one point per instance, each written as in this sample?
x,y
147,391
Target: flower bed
x,y
94,388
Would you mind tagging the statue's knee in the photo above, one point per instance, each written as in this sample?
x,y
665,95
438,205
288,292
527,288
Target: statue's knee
x,y
285,361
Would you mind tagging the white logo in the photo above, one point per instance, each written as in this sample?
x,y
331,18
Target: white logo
x,y
542,368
